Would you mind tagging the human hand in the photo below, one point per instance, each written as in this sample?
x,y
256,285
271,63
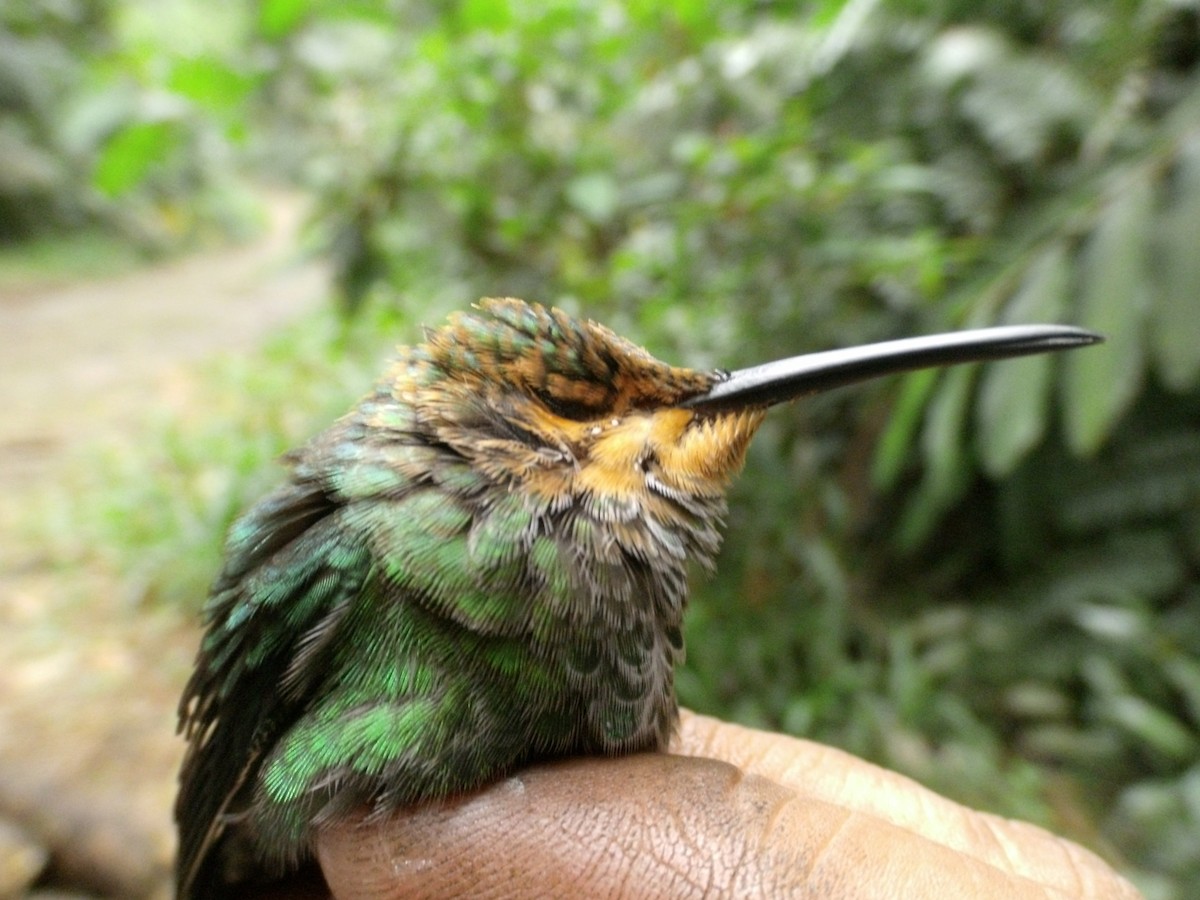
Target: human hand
x,y
732,812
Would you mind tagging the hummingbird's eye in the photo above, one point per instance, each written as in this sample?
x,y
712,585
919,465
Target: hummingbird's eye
x,y
568,408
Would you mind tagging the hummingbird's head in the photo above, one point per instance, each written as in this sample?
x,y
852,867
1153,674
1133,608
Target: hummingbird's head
x,y
571,413
564,408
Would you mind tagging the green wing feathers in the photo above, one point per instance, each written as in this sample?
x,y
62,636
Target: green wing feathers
x,y
357,613
290,576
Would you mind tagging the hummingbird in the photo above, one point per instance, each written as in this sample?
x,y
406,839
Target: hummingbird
x,y
483,564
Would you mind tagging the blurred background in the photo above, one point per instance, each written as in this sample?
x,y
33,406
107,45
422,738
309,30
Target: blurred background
x,y
217,219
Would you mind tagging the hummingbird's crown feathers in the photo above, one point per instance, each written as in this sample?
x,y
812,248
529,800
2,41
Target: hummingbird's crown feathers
x,y
577,367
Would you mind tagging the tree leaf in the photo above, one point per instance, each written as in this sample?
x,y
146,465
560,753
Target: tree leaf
x,y
486,15
942,439
1151,725
1100,383
1175,317
595,195
132,153
210,83
947,468
893,448
1011,412
277,18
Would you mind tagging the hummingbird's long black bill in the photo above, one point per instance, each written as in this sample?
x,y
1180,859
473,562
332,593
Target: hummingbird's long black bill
x,y
786,379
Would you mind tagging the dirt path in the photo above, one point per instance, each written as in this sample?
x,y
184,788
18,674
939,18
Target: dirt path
x,y
87,749
86,358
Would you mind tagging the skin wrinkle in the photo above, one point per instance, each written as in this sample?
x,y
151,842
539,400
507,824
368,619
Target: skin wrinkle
x,y
625,873
690,845
1075,859
816,864
458,872
378,848
980,881
819,849
752,866
663,835
722,869
748,863
1063,850
774,814
626,847
458,867
612,842
1000,833
740,783
484,829
986,829
696,870
682,881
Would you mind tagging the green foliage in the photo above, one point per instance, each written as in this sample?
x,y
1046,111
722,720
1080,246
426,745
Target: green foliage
x,y
40,46
121,114
1175,332
732,182
127,160
88,253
